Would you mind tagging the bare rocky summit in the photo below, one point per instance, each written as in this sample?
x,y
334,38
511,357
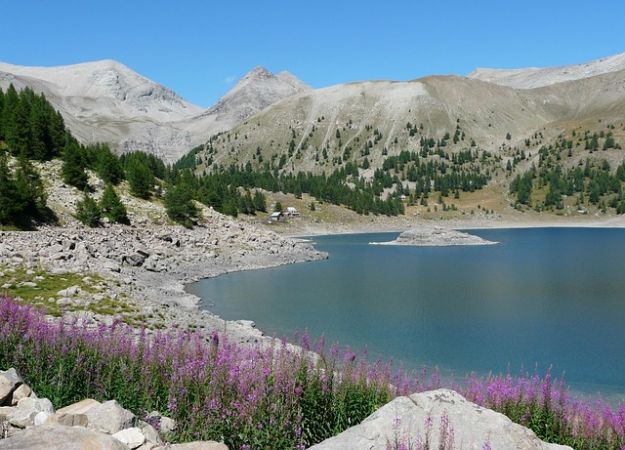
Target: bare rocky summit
x,y
427,236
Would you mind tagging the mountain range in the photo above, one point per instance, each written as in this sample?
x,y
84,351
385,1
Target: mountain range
x,y
105,101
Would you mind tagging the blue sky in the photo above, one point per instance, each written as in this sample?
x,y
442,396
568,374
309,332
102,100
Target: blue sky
x,y
199,48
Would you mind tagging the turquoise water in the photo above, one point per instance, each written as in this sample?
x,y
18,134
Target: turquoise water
x,y
541,297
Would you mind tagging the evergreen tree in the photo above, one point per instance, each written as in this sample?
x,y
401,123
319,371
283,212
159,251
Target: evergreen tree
x,y
260,203
74,165
179,204
9,200
112,206
88,212
30,190
107,165
140,179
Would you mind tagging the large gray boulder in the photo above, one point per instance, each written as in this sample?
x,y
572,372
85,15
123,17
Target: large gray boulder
x,y
110,417
58,437
9,381
80,407
27,409
405,418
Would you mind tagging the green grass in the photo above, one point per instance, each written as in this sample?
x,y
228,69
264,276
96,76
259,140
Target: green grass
x,y
45,293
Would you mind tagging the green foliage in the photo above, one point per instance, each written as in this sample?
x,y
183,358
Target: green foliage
x,y
112,206
22,195
30,126
140,178
88,211
179,204
105,163
74,166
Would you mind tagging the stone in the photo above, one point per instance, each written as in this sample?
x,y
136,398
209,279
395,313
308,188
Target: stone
x,y
110,417
150,433
405,417
9,381
6,411
131,437
70,420
80,407
70,291
58,437
27,409
135,260
40,418
21,392
164,424
111,265
198,445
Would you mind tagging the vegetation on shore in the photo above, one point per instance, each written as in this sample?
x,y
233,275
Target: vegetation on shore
x,y
262,398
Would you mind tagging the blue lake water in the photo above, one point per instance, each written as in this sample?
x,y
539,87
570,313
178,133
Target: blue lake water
x,y
541,297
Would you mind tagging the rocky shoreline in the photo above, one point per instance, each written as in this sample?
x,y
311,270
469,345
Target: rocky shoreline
x,y
147,268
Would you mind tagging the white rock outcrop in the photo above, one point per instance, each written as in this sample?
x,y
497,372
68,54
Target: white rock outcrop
x,y
405,418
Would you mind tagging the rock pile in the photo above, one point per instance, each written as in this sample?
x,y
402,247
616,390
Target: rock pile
x,y
30,422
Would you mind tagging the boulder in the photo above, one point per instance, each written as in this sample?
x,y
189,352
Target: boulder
x,y
131,437
405,418
135,260
9,381
164,424
23,391
27,409
58,437
80,407
70,291
110,417
150,433
70,420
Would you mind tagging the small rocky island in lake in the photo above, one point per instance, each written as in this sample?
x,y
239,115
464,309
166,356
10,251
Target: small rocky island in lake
x,y
434,237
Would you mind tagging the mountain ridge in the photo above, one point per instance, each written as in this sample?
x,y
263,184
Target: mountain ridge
x,y
106,101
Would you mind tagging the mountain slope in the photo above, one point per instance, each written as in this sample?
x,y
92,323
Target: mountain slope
x,y
538,77
320,130
105,101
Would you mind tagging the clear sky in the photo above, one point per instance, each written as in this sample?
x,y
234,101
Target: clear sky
x,y
200,48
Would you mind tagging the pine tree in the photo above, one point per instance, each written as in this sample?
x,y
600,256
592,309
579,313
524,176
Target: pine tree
x,y
179,204
9,200
259,201
140,179
112,206
107,165
88,211
74,165
30,190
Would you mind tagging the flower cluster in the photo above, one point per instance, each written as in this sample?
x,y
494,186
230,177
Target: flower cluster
x,y
265,397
